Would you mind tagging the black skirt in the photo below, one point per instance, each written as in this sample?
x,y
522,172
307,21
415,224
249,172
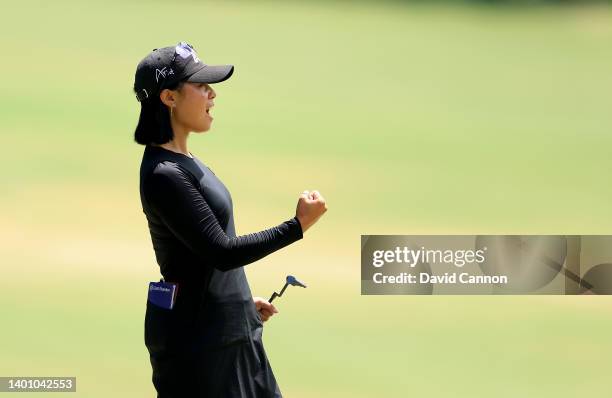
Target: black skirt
x,y
218,353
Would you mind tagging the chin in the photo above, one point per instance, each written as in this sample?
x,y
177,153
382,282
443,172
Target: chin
x,y
202,129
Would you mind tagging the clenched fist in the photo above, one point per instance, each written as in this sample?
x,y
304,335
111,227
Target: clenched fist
x,y
310,208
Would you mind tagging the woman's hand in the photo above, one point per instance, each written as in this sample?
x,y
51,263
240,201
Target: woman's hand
x,y
310,208
265,308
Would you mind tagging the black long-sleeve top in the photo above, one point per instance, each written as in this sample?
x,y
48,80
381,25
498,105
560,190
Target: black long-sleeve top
x,y
190,218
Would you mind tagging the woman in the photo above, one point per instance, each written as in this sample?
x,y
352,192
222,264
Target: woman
x,y
210,343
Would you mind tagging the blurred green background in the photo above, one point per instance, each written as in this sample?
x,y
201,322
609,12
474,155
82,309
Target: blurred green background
x,y
408,118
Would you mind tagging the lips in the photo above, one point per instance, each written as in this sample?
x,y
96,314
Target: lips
x,y
208,113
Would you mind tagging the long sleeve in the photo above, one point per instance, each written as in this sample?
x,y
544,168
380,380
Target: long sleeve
x,y
173,197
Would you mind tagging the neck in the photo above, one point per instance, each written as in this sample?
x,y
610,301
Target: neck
x,y
179,142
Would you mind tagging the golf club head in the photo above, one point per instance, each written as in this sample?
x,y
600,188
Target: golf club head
x,y
294,282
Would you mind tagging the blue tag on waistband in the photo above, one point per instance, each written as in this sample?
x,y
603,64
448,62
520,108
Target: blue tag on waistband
x,y
163,294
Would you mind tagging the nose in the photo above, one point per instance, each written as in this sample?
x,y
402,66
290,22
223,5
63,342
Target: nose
x,y
212,94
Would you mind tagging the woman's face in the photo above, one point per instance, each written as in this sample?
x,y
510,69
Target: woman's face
x,y
192,106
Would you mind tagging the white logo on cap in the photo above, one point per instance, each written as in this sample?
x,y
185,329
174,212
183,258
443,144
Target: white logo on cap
x,y
162,72
186,51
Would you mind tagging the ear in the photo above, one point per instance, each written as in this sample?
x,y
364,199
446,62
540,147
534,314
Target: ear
x,y
168,97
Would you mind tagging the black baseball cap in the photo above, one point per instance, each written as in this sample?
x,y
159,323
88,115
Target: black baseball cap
x,y
168,65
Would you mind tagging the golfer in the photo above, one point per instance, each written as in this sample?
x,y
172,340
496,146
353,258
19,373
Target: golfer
x,y
210,343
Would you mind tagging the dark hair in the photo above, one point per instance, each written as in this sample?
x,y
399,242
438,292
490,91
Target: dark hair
x,y
154,122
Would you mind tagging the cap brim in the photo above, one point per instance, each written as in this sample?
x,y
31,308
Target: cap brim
x,y
212,74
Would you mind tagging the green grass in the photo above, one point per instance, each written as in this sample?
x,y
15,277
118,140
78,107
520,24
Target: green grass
x,y
409,119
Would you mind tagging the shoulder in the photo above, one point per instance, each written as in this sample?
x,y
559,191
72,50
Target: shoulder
x,y
167,174
167,168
